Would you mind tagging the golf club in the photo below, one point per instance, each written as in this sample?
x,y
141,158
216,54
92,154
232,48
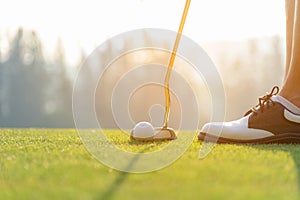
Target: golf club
x,y
164,133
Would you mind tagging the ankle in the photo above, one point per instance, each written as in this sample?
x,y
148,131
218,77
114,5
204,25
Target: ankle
x,y
292,97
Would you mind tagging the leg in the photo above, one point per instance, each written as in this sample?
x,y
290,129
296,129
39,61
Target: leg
x,y
290,12
276,118
291,87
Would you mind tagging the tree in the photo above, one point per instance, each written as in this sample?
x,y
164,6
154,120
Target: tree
x,y
59,95
26,80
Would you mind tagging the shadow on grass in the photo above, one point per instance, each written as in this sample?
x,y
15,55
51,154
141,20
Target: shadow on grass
x,y
113,188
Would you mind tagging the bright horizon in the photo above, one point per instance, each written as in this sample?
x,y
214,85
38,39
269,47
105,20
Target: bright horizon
x,y
87,24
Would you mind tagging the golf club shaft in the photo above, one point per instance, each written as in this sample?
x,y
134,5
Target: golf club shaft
x,y
171,63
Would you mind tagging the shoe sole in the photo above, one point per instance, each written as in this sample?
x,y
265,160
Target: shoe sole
x,y
285,138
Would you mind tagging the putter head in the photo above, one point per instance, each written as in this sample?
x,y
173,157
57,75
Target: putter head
x,y
160,134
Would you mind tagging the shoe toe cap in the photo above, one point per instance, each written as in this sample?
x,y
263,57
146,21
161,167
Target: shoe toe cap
x,y
237,129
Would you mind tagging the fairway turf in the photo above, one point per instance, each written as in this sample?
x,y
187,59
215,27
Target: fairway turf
x,y
54,164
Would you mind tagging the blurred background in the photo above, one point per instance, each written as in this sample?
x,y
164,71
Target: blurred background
x,y
44,43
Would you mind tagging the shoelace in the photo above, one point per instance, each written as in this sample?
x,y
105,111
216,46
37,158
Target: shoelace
x,y
264,100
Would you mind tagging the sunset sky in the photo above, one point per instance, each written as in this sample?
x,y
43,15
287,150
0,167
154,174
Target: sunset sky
x,y
88,23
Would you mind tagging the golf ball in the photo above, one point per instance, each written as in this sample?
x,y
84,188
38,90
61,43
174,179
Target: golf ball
x,y
143,130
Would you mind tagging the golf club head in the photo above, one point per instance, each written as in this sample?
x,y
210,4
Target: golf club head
x,y
160,134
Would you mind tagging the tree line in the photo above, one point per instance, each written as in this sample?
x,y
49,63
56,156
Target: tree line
x,y
34,91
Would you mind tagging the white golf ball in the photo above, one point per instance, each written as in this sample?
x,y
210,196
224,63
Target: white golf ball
x,y
143,130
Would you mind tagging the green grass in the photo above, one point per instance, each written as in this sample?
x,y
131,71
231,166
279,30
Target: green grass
x,y
54,164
